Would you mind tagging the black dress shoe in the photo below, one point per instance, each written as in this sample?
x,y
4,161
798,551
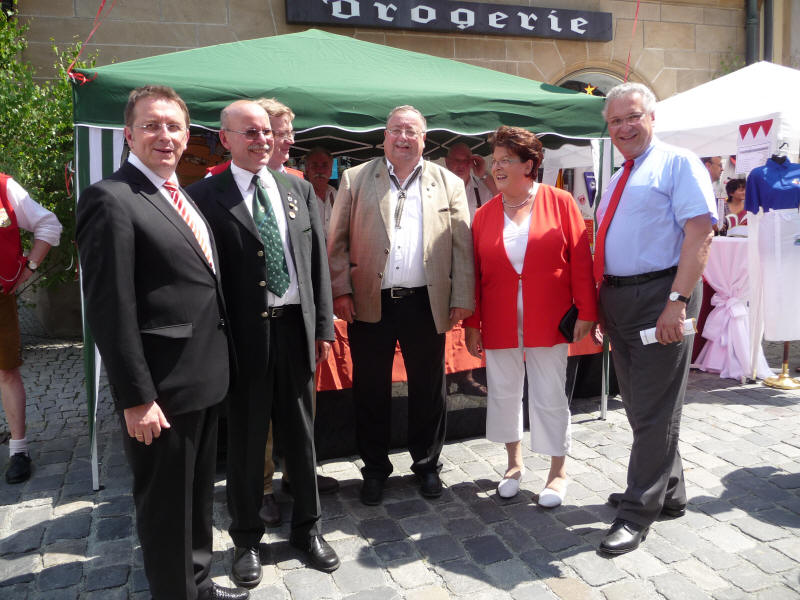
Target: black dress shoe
x,y
246,570
221,593
430,484
270,512
19,468
318,551
372,491
325,485
623,536
673,511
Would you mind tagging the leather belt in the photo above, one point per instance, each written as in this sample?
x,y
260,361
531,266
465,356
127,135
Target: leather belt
x,y
276,312
620,281
397,293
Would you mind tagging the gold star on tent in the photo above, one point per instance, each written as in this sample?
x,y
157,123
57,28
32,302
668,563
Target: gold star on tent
x,y
589,89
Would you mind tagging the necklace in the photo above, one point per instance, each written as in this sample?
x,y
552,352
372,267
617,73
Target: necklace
x,y
527,199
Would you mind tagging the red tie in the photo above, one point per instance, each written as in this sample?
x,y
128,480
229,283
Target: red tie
x,y
177,200
600,240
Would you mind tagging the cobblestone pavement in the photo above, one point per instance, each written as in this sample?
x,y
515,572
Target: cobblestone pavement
x,y
739,539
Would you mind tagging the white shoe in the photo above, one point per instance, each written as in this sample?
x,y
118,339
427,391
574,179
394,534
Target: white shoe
x,y
508,486
550,498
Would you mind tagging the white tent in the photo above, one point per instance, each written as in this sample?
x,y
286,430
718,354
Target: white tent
x,y
706,118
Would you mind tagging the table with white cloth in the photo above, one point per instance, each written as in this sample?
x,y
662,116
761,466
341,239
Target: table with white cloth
x,y
727,329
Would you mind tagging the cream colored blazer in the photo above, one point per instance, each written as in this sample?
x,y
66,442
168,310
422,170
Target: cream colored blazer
x,y
358,240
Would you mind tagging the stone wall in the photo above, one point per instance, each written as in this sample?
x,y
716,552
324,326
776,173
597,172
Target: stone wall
x,y
676,46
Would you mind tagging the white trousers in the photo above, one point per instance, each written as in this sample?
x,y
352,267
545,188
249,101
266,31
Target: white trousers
x,y
548,408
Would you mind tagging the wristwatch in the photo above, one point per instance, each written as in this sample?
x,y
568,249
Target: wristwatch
x,y
673,296
32,265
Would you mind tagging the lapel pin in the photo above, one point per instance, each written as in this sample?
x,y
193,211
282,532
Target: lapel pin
x,y
292,214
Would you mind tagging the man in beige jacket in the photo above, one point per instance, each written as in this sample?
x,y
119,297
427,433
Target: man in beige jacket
x,y
400,254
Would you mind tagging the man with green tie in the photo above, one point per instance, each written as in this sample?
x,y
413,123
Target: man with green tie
x,y
277,292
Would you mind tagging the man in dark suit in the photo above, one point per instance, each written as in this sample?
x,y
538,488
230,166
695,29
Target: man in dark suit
x,y
154,306
275,277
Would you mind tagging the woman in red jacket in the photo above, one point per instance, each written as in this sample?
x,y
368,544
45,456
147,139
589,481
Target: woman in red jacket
x,y
532,263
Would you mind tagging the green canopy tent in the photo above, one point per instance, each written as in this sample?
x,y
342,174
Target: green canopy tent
x,y
341,90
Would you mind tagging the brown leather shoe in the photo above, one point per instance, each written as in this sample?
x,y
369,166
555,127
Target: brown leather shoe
x,y
270,512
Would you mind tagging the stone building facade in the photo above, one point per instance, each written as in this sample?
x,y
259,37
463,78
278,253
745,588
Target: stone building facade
x,y
675,45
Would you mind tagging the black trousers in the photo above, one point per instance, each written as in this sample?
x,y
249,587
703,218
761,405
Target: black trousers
x,y
173,486
652,381
283,392
372,346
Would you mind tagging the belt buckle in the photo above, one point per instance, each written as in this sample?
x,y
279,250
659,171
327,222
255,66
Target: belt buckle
x,y
392,293
275,312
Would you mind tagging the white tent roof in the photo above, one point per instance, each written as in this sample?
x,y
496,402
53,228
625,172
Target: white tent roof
x,y
706,118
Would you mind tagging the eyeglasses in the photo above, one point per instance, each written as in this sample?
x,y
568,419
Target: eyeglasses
x,y
407,131
154,127
284,135
253,133
631,119
505,162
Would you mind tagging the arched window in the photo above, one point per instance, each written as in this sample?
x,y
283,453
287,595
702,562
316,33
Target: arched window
x,y
598,83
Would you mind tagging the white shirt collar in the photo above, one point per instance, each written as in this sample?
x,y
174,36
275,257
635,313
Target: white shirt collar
x,y
244,178
390,166
154,178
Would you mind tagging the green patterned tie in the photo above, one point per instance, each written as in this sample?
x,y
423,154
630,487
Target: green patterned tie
x,y
267,225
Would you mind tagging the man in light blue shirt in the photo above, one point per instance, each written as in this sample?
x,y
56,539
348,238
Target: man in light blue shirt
x,y
656,248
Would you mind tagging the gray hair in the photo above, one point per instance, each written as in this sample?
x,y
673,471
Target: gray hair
x,y
408,108
626,89
459,146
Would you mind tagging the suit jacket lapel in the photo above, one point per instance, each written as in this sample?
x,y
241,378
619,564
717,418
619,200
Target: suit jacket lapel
x,y
291,224
154,196
230,197
383,189
430,208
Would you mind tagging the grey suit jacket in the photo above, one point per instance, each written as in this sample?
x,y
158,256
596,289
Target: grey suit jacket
x,y
359,240
243,268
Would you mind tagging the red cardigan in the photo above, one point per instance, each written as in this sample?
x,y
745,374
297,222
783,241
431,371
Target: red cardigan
x,y
556,272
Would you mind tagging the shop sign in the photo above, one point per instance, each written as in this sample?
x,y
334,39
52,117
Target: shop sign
x,y
454,17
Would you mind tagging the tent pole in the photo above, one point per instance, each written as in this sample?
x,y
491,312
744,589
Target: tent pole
x,y
606,362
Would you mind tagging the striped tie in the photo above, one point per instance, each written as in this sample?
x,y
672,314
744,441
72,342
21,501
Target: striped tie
x,y
177,200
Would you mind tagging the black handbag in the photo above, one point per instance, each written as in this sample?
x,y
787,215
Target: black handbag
x,y
567,323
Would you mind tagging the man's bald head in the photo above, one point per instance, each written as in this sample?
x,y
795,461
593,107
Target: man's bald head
x,y
459,161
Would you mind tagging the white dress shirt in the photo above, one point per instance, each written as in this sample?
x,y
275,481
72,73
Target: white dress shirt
x,y
325,205
404,267
159,182
515,240
476,190
32,216
244,180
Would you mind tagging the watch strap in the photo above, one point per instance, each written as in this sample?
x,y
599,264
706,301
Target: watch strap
x,y
677,295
